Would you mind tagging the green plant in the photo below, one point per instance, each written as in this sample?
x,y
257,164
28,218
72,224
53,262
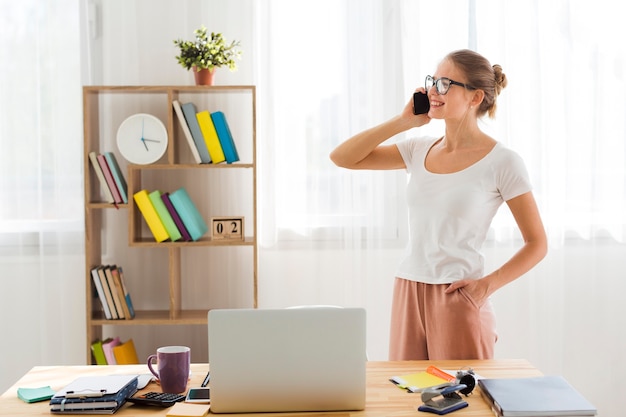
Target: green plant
x,y
207,51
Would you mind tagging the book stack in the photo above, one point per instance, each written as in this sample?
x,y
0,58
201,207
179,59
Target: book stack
x,y
171,216
208,134
112,292
113,351
110,176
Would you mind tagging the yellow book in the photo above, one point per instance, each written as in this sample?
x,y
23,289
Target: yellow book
x,y
210,137
150,215
125,353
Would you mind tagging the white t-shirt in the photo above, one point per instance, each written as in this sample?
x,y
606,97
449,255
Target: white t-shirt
x,y
450,214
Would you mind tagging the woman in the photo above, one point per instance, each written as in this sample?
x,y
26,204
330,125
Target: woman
x,y
441,307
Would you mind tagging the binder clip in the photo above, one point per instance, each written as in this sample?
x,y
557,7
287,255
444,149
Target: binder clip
x,y
443,399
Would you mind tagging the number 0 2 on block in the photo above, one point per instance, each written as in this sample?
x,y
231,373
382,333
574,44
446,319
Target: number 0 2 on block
x,y
227,228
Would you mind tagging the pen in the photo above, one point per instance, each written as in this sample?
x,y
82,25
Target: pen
x,y
206,379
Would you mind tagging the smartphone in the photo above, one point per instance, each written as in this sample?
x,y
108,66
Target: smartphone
x,y
198,395
421,104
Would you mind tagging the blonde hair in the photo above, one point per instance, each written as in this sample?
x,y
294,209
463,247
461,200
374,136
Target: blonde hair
x,y
482,76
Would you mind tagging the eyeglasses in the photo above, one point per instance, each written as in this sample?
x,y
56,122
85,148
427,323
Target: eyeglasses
x,y
443,84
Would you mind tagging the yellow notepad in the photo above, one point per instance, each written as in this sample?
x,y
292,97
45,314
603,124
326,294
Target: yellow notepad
x,y
188,410
416,382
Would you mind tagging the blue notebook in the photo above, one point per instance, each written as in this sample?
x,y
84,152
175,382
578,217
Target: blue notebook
x,y
94,395
225,137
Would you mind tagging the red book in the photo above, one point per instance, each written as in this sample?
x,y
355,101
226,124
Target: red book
x,y
108,176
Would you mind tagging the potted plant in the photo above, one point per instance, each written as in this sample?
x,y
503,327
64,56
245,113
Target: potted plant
x,y
205,53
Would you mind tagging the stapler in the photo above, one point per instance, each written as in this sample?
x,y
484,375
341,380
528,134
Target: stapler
x,y
443,399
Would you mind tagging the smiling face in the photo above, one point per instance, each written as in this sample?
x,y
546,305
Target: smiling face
x,y
457,101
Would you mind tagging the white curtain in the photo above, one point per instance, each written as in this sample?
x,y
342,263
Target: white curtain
x,y
333,68
41,210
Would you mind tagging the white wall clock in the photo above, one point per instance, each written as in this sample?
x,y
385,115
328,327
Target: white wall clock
x,y
142,139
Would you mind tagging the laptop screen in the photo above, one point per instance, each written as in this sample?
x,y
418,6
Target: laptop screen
x,y
271,360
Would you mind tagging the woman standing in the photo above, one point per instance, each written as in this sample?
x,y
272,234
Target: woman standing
x,y
441,307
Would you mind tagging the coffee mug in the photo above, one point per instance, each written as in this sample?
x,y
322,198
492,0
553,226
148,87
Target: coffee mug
x,y
173,368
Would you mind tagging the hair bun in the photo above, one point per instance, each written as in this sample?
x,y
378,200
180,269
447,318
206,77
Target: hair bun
x,y
500,78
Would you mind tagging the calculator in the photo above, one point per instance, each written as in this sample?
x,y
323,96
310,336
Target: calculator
x,y
158,399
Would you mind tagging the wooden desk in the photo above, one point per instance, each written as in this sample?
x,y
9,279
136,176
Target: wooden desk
x,y
383,398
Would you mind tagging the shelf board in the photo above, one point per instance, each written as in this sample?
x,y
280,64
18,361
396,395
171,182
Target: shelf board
x,y
153,317
206,241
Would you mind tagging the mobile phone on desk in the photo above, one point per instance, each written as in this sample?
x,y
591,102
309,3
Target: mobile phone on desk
x,y
199,395
421,104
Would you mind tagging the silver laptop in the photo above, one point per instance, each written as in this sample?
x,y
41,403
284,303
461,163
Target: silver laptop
x,y
304,359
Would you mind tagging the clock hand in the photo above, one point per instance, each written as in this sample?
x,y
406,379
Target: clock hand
x,y
142,139
152,140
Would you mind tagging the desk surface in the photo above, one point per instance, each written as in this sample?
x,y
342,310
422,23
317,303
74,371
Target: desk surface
x,y
383,398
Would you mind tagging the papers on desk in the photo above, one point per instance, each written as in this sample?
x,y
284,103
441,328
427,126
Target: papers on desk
x,y
416,382
94,395
544,396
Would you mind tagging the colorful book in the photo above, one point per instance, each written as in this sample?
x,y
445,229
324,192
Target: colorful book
x,y
187,132
164,215
93,158
125,353
179,222
107,347
150,216
225,137
115,292
108,176
98,353
107,292
120,182
210,136
188,212
189,111
100,291
129,301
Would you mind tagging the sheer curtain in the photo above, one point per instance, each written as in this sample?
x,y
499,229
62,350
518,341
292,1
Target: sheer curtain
x,y
41,216
563,111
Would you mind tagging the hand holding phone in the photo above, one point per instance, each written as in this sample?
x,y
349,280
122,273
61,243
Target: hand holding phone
x,y
421,104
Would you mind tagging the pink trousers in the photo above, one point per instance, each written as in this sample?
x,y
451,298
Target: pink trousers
x,y
426,323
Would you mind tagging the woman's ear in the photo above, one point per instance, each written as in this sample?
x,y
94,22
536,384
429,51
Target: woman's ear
x,y
477,98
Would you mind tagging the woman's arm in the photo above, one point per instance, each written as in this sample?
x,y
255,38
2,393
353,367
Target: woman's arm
x,y
364,150
526,214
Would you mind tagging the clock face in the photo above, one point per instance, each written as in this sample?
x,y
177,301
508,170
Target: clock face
x,y
142,139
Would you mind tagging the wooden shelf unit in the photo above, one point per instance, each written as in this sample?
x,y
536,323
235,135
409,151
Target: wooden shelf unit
x,y
100,126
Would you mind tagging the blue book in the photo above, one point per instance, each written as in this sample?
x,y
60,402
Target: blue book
x,y
189,111
225,137
117,176
188,212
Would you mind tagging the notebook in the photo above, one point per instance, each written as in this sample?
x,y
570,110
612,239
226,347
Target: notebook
x,y
535,396
305,359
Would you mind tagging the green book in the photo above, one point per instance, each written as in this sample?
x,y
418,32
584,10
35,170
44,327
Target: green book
x,y
164,215
98,353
